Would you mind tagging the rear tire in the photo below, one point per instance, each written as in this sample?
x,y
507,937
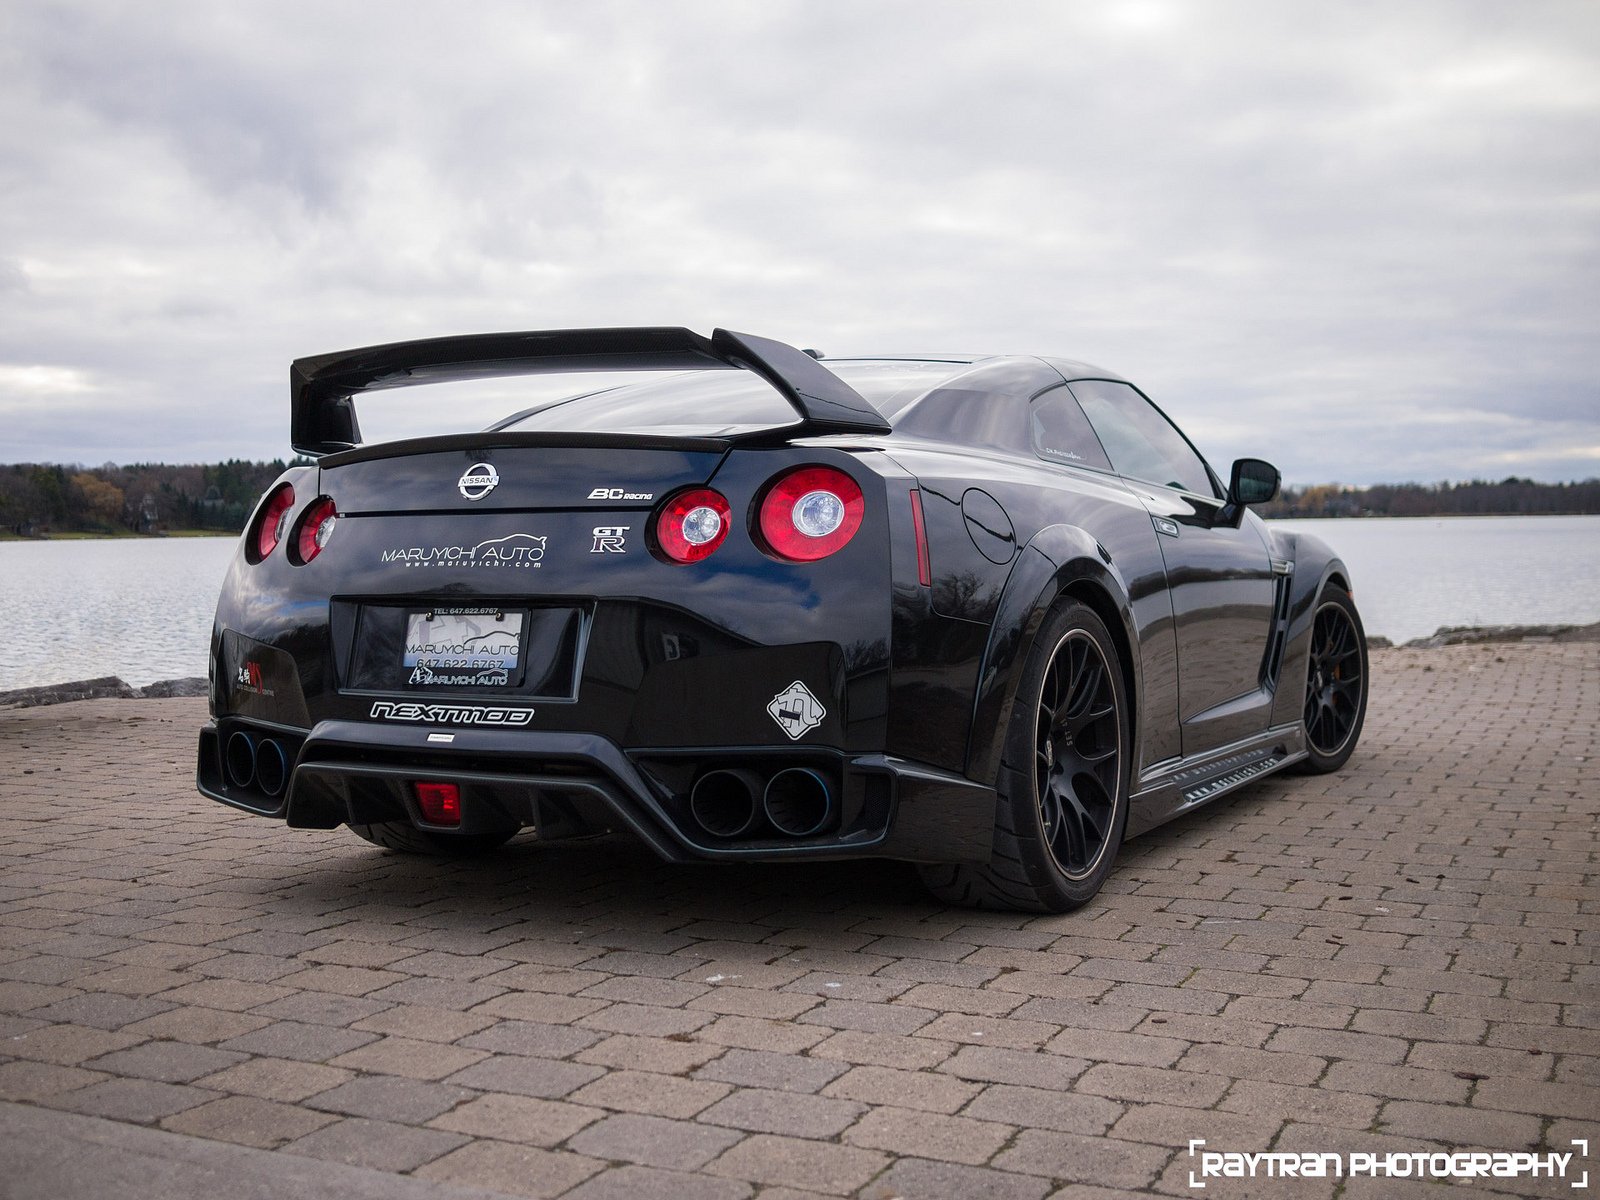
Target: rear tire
x,y
1336,683
1063,785
408,839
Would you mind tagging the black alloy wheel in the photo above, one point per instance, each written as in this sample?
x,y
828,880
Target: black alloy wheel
x,y
1077,767
1062,791
1336,682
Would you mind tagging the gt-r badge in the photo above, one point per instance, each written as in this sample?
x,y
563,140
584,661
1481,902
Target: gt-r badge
x,y
796,710
479,480
610,539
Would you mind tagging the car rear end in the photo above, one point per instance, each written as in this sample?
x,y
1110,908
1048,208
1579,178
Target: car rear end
x,y
688,637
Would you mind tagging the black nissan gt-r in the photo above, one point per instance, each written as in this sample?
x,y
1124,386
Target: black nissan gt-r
x,y
990,615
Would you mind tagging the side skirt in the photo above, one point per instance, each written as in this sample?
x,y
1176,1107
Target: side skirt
x,y
1173,788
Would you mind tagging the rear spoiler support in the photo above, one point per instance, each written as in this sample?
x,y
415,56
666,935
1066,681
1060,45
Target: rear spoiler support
x,y
323,419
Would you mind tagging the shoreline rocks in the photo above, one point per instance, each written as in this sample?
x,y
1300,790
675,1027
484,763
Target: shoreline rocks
x,y
107,687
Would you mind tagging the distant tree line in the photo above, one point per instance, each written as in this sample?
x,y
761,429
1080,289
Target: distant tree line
x,y
1509,497
39,499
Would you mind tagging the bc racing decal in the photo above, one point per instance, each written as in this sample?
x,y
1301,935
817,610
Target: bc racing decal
x,y
513,550
450,714
616,493
796,710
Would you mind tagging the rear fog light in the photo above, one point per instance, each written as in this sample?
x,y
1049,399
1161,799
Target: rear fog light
x,y
440,803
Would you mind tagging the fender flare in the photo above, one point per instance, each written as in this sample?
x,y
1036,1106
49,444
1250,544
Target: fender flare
x,y
1059,557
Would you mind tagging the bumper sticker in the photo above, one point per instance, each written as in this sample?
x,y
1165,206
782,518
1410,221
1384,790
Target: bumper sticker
x,y
796,710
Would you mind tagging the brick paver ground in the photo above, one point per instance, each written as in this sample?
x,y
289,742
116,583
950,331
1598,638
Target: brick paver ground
x,y
1399,957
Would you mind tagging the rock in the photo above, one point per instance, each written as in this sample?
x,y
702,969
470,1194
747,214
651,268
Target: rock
x,y
106,687
1468,635
1379,643
195,685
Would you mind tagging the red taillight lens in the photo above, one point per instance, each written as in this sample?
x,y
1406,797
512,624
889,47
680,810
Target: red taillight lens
x,y
316,527
440,803
810,513
274,521
691,525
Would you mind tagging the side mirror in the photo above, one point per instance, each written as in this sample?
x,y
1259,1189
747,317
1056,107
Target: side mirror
x,y
1253,482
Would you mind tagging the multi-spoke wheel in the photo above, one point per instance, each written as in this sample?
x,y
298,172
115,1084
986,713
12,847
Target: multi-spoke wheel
x,y
1336,682
1077,755
1063,786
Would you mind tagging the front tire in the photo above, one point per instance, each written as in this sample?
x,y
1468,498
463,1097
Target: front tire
x,y
408,839
1063,786
1336,683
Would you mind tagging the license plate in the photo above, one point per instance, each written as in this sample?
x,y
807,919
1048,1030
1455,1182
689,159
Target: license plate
x,y
462,647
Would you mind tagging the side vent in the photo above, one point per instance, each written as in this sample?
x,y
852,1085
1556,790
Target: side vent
x,y
1272,661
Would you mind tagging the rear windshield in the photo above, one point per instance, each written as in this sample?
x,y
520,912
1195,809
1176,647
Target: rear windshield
x,y
723,403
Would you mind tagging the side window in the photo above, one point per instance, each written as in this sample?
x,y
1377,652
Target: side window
x,y
1140,441
1062,433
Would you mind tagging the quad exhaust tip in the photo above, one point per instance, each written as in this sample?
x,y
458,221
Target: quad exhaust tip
x,y
261,763
723,802
798,802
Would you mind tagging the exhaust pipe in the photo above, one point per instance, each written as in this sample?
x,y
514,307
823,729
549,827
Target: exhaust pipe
x,y
798,802
240,758
272,766
723,803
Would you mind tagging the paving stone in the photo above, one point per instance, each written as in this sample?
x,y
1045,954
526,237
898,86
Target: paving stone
x,y
1051,1071
786,1161
884,1050
762,1111
785,1072
276,1079
1073,1158
384,1097
649,1054
170,1062
522,1119
543,1077
511,1170
652,1094
380,1145
408,1057
137,1100
38,1082
926,1178
67,1044
248,1121
100,1010
654,1141
649,1183
1041,1108
928,1091
294,1039
192,1023
904,1131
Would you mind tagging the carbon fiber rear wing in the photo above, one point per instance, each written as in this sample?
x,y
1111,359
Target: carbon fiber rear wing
x,y
323,419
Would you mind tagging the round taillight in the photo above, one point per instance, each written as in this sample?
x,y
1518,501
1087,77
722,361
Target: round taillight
x,y
274,520
316,527
810,513
691,525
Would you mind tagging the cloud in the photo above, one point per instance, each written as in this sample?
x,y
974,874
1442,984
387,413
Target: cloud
x,y
1287,223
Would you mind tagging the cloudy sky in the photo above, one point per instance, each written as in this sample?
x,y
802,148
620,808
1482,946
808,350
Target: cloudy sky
x,y
1357,239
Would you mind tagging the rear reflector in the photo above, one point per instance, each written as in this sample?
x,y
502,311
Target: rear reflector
x,y
440,803
924,570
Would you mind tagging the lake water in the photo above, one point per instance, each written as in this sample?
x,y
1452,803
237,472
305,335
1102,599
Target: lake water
x,y
142,608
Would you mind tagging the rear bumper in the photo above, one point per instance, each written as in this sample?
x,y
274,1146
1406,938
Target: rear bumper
x,y
564,784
